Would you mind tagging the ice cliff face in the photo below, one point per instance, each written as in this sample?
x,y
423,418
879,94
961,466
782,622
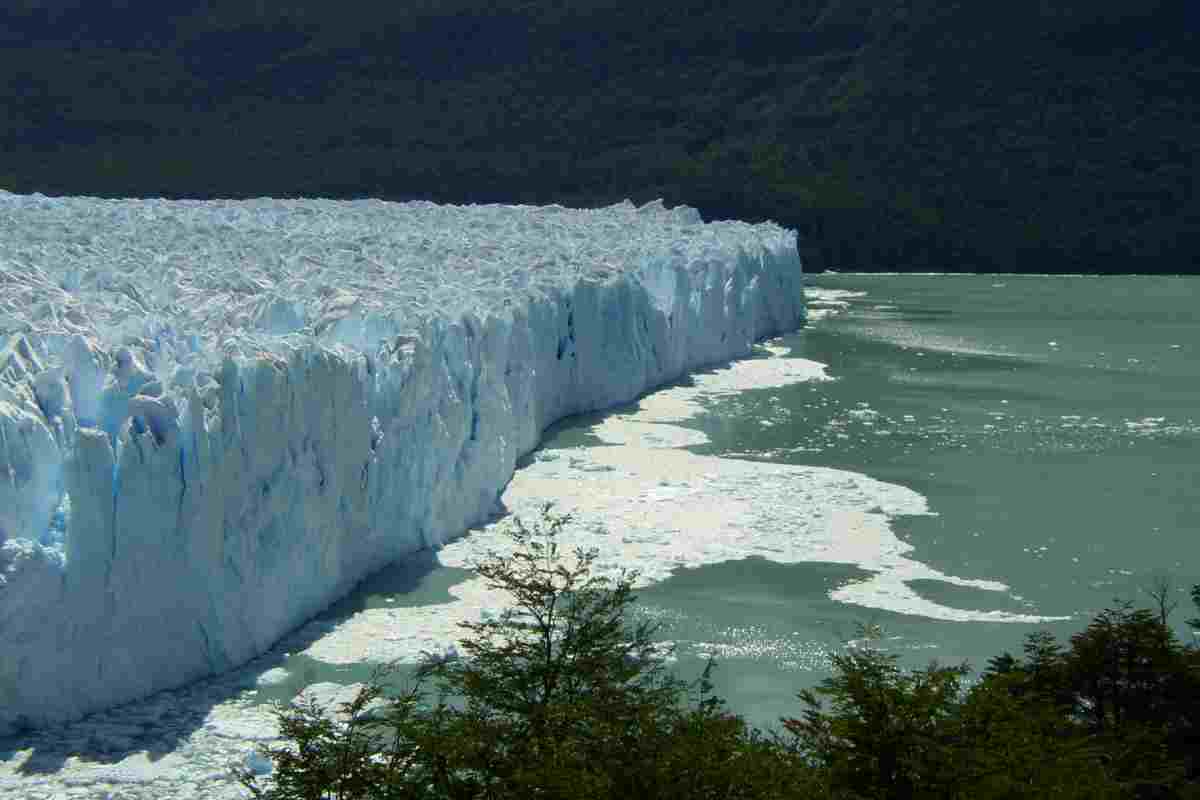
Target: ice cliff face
x,y
217,417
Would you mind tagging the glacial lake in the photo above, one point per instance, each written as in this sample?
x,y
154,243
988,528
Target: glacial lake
x,y
958,460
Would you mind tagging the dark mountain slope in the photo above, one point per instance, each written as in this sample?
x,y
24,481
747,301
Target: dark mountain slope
x,y
902,134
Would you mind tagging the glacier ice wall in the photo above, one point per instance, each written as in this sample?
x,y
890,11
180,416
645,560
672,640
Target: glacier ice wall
x,y
216,417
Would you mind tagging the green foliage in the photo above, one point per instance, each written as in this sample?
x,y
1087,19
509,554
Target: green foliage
x,y
1115,714
885,728
890,733
349,754
1126,690
1138,692
1007,744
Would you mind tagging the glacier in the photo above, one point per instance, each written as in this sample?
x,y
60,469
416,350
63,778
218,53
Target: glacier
x,y
216,417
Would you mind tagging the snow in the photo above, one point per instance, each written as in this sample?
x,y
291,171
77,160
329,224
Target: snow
x,y
217,417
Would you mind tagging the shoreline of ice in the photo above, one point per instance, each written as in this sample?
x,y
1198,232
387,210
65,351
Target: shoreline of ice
x,y
216,417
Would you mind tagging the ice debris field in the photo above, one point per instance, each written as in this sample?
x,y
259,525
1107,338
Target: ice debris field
x,y
217,417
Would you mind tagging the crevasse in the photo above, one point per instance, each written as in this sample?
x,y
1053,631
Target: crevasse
x,y
217,417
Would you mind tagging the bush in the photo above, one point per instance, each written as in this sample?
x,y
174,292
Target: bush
x,y
886,732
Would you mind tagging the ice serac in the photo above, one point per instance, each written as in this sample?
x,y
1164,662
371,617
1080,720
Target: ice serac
x,y
217,417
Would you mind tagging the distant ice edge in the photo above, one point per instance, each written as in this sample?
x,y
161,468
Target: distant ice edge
x,y
222,521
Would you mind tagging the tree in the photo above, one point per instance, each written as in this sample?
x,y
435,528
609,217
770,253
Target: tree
x,y
557,685
889,733
884,734
1137,688
1160,590
343,755
1125,690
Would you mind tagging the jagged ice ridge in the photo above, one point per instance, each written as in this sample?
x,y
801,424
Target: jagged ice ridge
x,y
216,417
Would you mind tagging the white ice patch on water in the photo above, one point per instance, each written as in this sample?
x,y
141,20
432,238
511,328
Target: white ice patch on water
x,y
683,402
864,413
615,430
273,677
824,303
830,297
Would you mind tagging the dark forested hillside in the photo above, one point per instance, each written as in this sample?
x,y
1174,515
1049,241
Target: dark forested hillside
x,y
1030,135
